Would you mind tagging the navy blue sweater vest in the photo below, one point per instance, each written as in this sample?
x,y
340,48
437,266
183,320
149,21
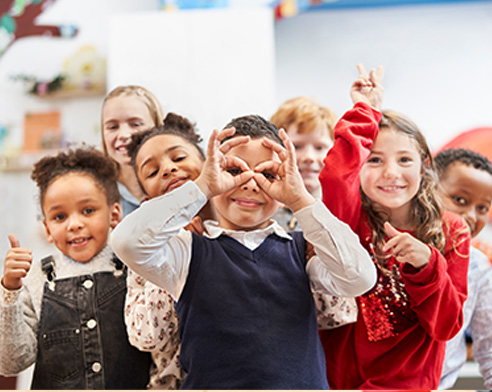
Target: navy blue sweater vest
x,y
248,319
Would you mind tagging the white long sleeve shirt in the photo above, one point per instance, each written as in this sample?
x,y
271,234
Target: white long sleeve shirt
x,y
152,242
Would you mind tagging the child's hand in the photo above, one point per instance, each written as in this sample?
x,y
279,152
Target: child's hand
x,y
17,264
368,89
406,248
215,178
282,180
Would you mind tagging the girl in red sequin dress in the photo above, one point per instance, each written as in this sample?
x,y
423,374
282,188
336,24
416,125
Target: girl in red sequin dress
x,y
378,178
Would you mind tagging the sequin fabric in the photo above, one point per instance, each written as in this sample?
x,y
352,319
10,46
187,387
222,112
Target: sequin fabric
x,y
385,308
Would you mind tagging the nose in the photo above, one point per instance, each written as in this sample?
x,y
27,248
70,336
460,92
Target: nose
x,y
74,222
125,132
169,169
390,170
251,185
306,154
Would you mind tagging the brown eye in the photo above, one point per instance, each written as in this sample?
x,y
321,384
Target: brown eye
x,y
234,171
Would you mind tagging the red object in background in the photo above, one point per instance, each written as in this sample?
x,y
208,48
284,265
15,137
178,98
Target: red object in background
x,y
476,139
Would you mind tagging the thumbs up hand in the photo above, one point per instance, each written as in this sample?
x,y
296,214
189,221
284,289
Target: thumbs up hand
x,y
406,248
17,264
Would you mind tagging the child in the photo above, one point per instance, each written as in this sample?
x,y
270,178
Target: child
x,y
378,178
310,127
127,110
247,316
66,314
465,187
169,151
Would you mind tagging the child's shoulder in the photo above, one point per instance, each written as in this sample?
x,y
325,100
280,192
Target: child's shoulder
x,y
453,222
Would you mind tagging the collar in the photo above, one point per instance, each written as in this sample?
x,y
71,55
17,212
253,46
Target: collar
x,y
214,230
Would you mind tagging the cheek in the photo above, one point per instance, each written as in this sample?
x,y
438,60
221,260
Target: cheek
x,y
481,222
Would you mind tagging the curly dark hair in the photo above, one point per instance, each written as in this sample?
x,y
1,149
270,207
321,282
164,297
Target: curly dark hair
x,y
86,160
463,155
174,124
254,126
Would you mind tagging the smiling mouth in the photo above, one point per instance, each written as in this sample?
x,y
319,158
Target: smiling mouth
x,y
121,149
176,183
79,242
392,188
247,203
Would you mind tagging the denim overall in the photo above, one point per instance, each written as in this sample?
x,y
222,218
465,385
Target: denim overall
x,y
82,339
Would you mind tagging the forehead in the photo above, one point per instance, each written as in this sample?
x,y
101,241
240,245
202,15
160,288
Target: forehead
x,y
253,152
160,145
129,104
390,140
71,188
321,131
468,177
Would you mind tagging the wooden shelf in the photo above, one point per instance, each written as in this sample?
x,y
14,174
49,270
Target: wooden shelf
x,y
68,94
22,162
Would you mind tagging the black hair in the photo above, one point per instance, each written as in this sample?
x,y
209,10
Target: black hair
x,y
174,124
86,160
254,126
463,155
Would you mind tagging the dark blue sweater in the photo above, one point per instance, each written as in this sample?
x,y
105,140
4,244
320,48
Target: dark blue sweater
x,y
248,319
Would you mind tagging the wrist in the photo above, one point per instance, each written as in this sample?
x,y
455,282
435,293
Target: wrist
x,y
303,202
202,184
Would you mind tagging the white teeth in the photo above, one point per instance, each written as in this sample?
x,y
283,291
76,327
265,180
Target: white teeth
x,y
391,188
78,241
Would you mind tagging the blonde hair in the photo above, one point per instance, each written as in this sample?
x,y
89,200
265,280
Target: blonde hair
x,y
426,213
306,114
144,95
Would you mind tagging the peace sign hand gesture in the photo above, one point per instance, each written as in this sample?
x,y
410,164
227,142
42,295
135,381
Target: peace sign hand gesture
x,y
368,88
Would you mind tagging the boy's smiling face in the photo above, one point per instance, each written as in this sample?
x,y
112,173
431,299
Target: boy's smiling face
x,y
247,207
467,191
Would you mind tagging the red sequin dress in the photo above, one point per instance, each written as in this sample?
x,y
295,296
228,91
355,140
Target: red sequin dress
x,y
399,338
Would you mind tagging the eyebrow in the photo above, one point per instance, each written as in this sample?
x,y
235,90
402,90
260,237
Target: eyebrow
x,y
172,148
83,201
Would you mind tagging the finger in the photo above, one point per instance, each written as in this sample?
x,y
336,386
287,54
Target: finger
x,y
236,141
23,255
212,143
14,242
289,146
268,165
390,230
275,147
376,77
233,161
380,74
243,178
17,273
226,132
262,182
362,70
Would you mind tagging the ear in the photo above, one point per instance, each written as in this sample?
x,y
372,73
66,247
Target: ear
x,y
115,215
49,237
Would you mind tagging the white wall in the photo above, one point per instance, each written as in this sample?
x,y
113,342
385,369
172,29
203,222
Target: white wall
x,y
438,61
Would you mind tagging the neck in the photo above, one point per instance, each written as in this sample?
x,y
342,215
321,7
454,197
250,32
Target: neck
x,y
129,180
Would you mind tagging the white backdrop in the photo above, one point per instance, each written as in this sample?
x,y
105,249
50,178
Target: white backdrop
x,y
209,65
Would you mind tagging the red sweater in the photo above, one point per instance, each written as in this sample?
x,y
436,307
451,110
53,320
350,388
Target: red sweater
x,y
398,341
